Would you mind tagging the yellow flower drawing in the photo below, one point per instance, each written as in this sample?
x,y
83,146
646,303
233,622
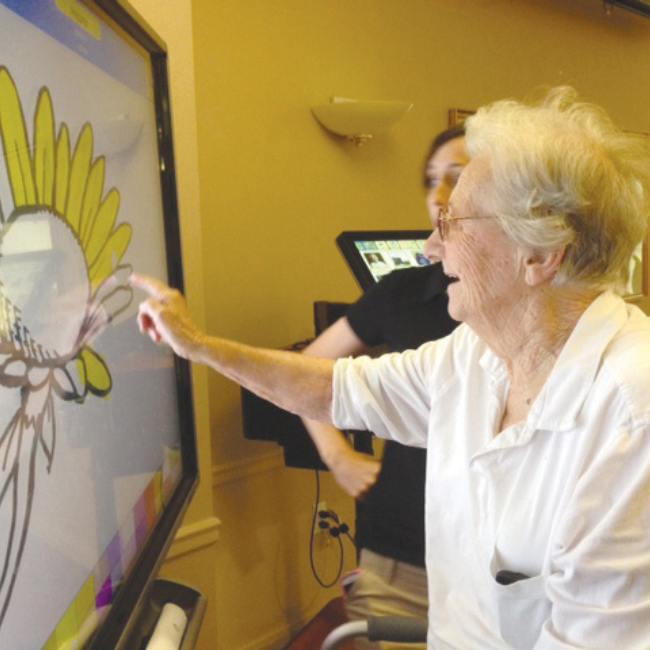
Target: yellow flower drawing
x,y
61,284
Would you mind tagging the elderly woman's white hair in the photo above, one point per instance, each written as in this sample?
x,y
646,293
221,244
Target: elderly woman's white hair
x,y
563,174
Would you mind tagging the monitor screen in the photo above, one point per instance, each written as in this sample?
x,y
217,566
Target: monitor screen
x,y
96,424
372,254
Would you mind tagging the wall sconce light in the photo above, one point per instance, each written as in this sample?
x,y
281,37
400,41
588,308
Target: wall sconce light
x,y
358,121
641,7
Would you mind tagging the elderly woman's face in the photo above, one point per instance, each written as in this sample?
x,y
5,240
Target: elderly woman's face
x,y
488,278
442,173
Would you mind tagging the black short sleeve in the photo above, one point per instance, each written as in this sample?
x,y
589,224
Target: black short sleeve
x,y
404,310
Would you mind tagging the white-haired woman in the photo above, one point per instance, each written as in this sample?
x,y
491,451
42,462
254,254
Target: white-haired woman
x,y
535,411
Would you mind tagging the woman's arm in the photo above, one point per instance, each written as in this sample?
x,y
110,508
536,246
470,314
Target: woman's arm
x,y
295,382
355,472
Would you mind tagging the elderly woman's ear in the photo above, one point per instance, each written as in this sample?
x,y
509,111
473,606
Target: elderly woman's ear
x,y
540,268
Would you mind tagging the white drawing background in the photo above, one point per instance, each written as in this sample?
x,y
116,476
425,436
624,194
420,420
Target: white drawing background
x,y
107,449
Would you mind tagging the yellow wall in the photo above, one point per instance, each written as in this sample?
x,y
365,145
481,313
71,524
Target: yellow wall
x,y
275,189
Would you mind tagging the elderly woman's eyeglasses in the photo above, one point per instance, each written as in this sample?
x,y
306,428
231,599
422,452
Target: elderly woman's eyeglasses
x,y
442,224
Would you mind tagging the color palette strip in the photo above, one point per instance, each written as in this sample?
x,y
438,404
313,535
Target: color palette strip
x,y
92,602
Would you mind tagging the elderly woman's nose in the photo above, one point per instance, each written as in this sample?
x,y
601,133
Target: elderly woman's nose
x,y
433,247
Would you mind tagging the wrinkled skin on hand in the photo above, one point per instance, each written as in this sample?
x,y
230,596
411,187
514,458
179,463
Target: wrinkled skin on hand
x,y
165,318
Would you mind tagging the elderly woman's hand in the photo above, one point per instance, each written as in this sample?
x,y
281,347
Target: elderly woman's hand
x,y
164,317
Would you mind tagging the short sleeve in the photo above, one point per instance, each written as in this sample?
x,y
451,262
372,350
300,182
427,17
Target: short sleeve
x,y
388,395
404,310
367,315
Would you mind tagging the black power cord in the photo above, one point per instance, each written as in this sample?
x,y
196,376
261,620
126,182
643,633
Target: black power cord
x,y
335,531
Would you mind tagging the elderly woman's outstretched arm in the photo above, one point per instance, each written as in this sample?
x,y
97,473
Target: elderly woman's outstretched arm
x,y
295,382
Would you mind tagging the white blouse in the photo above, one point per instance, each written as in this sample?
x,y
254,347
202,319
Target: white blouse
x,y
562,497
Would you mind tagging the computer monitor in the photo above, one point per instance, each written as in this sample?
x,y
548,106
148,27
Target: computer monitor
x,y
372,254
97,441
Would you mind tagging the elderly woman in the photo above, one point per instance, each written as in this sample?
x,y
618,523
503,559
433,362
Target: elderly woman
x,y
535,411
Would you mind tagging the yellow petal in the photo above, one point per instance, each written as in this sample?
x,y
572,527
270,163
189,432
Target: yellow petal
x,y
102,226
98,379
16,145
44,149
92,198
79,177
81,368
111,254
62,169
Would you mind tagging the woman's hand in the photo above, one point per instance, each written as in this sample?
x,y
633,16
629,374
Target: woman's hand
x,y
355,472
164,317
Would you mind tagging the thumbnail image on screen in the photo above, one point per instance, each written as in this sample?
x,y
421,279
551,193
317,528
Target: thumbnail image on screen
x,y
373,254
383,257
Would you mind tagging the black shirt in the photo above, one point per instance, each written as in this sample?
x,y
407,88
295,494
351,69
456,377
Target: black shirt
x,y
404,310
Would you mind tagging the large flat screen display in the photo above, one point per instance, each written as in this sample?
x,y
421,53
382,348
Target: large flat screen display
x,y
97,449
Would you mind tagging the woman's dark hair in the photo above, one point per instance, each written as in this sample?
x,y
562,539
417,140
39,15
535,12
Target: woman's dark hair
x,y
457,131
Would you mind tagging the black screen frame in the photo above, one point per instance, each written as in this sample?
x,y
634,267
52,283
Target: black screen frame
x,y
131,597
346,244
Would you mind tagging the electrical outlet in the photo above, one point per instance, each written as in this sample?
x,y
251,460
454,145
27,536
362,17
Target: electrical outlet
x,y
317,529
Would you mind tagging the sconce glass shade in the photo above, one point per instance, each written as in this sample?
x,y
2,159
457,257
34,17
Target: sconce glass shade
x,y
359,120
